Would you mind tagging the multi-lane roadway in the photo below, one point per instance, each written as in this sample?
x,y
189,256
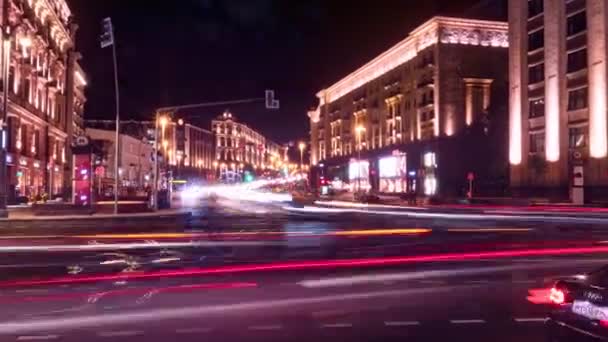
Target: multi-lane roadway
x,y
251,272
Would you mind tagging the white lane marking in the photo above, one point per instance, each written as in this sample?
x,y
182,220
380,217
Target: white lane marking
x,y
530,319
424,275
419,275
265,327
193,330
401,323
444,215
122,246
156,315
467,321
124,333
37,337
337,325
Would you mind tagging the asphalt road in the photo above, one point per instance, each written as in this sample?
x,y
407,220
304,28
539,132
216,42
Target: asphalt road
x,y
472,301
449,285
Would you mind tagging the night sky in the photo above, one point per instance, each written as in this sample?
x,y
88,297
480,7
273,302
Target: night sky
x,y
191,51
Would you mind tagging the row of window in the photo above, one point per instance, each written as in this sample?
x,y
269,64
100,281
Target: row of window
x,y
577,138
577,99
576,60
575,24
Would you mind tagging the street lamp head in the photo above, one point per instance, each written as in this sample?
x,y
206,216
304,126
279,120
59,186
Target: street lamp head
x,y
25,42
163,121
215,164
165,143
360,129
180,122
302,145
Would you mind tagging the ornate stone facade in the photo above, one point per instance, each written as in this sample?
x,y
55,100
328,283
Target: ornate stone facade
x,y
46,94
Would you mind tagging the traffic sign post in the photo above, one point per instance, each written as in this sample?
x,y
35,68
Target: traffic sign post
x,y
470,178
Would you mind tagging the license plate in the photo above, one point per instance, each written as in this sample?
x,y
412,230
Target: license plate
x,y
589,310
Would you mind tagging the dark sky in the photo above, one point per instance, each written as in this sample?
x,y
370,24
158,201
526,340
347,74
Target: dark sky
x,y
190,51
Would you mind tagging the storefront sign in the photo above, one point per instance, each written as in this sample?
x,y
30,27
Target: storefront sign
x,y
393,173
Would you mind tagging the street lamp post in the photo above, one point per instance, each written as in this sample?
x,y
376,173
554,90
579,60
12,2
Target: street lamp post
x,y
5,48
359,130
302,146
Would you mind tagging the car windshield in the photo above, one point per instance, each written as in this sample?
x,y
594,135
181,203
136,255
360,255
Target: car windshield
x,y
228,170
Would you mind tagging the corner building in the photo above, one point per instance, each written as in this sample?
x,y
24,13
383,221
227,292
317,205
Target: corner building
x,y
558,98
412,112
46,98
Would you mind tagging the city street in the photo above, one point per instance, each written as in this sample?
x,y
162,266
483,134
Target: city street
x,y
244,270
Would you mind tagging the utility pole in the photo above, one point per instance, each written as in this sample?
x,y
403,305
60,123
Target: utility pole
x,y
5,50
107,39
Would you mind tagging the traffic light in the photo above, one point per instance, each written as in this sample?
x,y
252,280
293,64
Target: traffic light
x,y
271,102
107,34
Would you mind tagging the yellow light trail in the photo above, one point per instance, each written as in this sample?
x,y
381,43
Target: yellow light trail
x,y
361,232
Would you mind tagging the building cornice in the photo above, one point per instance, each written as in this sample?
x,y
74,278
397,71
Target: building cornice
x,y
445,30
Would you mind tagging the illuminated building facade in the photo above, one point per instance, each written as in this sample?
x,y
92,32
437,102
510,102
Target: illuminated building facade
x,y
239,147
46,98
558,97
188,150
408,111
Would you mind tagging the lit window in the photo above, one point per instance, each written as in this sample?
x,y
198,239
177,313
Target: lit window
x,y
429,159
537,108
577,137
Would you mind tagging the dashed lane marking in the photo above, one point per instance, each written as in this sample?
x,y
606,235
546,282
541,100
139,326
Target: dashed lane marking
x,y
37,337
401,323
530,319
467,321
124,333
337,325
193,330
265,327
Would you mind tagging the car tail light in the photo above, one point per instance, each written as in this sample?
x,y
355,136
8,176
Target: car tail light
x,y
604,323
557,296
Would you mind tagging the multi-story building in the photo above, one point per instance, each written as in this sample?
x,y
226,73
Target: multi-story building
x,y
135,160
46,97
558,129
188,150
240,147
404,121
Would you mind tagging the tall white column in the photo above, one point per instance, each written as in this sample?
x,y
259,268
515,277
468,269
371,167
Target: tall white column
x,y
554,73
596,55
517,52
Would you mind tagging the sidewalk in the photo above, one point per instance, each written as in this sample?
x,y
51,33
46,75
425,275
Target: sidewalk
x,y
24,222
479,206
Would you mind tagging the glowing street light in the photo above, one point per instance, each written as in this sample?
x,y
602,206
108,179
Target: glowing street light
x,y
301,146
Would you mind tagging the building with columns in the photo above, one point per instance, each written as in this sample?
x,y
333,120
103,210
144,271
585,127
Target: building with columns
x,y
46,97
558,129
408,120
